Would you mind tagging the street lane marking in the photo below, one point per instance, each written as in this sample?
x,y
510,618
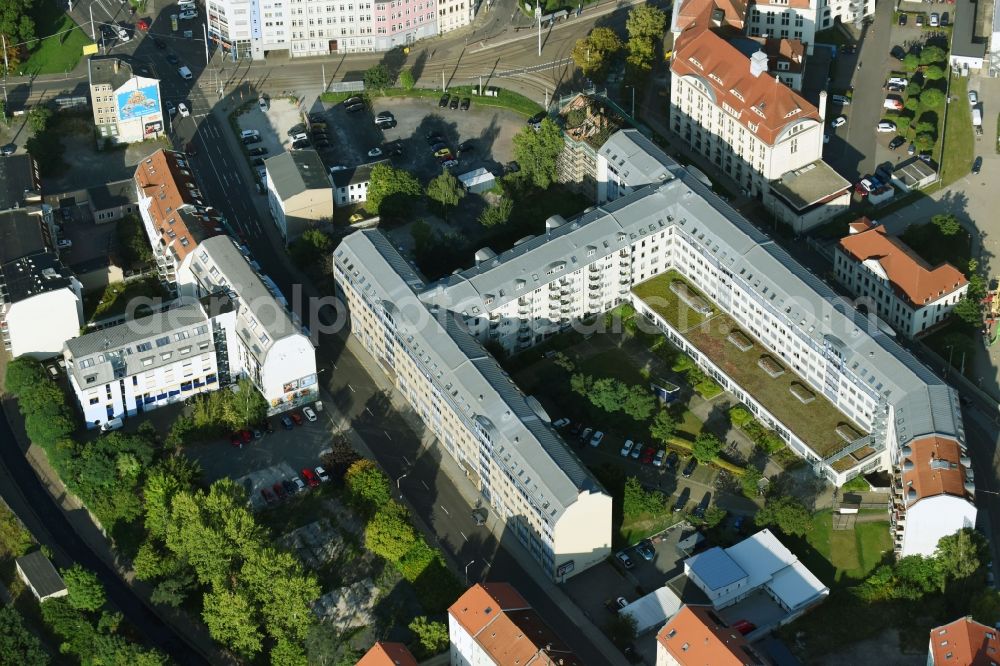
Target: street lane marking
x,y
369,411
444,509
352,388
424,484
406,461
387,435
463,535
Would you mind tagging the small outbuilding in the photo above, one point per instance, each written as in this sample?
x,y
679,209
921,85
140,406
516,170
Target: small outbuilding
x,y
477,181
652,610
40,576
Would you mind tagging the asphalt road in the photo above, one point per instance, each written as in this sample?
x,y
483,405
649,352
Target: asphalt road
x,y
28,498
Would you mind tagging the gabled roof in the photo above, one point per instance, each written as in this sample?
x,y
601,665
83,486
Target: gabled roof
x,y
933,466
384,653
112,195
41,575
755,101
696,636
910,275
730,13
508,629
19,181
965,642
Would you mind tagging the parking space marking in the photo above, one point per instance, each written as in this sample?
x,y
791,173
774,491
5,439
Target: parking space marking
x,y
463,535
424,484
387,435
444,509
369,411
352,388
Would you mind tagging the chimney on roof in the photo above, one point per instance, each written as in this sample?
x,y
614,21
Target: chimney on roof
x,y
822,110
758,63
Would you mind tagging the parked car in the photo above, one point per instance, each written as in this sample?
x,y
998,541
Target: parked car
x,y
187,15
699,511
235,441
385,124
279,490
466,147
316,117
682,500
375,152
295,130
454,103
902,19
257,162
449,163
973,97
885,126
646,550
636,451
977,165
443,102
171,109
898,52
300,485
290,488
537,119
352,101
935,20
297,418
286,422
65,244
268,495
442,152
310,414
627,448
658,458
257,152
585,435
647,455
464,106
920,20
838,122
672,460
322,475
625,560
310,478
8,149
246,436
384,115
263,103
896,142
301,144
354,108
596,439
744,626
560,423
248,140
944,19
840,99
690,467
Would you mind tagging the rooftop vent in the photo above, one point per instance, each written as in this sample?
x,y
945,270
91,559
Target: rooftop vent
x,y
758,63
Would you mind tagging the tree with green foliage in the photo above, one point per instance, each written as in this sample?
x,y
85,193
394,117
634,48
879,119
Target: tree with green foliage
x,y
645,25
638,502
750,482
38,118
406,81
706,447
985,606
367,486
581,384
85,592
621,629
229,616
918,576
494,216
925,127
591,54
962,554
713,516
934,72
18,645
17,24
377,78
311,247
947,224
932,98
911,61
930,55
92,644
912,104
392,191
663,426
924,142
389,534
537,152
133,246
445,190
173,591
431,637
638,402
787,514
15,540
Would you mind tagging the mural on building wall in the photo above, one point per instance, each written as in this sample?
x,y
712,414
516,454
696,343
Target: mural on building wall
x,y
137,103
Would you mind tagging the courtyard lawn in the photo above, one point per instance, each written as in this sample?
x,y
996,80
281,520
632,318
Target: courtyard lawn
x,y
843,557
116,297
62,51
959,138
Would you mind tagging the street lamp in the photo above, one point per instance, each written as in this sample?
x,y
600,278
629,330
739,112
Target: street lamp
x,y
633,101
471,562
402,476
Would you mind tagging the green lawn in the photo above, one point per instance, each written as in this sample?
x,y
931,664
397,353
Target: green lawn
x,y
116,297
59,53
843,557
656,294
936,248
958,139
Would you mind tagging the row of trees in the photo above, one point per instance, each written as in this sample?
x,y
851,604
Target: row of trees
x,y
645,28
763,438
613,395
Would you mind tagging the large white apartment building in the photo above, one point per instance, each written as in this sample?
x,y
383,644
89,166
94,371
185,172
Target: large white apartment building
x,y
251,29
859,396
897,285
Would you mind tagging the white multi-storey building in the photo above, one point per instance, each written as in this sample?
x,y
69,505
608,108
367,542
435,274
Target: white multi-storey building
x,y
897,285
318,27
860,396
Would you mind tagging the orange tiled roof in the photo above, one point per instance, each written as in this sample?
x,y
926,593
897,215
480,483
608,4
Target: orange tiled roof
x,y
910,275
965,642
733,12
936,470
508,629
695,636
790,51
180,216
387,654
761,101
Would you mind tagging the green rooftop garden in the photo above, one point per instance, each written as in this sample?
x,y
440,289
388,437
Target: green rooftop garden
x,y
815,423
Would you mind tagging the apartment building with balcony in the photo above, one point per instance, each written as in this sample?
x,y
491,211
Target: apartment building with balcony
x,y
895,283
267,343
174,212
932,494
493,625
503,440
152,361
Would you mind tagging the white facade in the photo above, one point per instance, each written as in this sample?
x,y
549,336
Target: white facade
x,y
38,325
802,19
464,649
351,193
127,108
454,14
932,518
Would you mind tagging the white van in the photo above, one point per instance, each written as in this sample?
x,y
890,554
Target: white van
x,y
897,81
185,73
113,424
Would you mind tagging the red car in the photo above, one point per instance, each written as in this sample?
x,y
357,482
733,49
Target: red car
x,y
744,627
279,490
310,478
296,417
647,455
267,495
142,25
235,440
246,436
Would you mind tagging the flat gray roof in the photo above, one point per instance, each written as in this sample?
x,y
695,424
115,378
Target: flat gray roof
x,y
20,234
17,176
113,195
809,185
296,171
109,69
963,32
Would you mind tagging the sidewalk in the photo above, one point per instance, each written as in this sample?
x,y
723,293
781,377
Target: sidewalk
x,y
471,495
